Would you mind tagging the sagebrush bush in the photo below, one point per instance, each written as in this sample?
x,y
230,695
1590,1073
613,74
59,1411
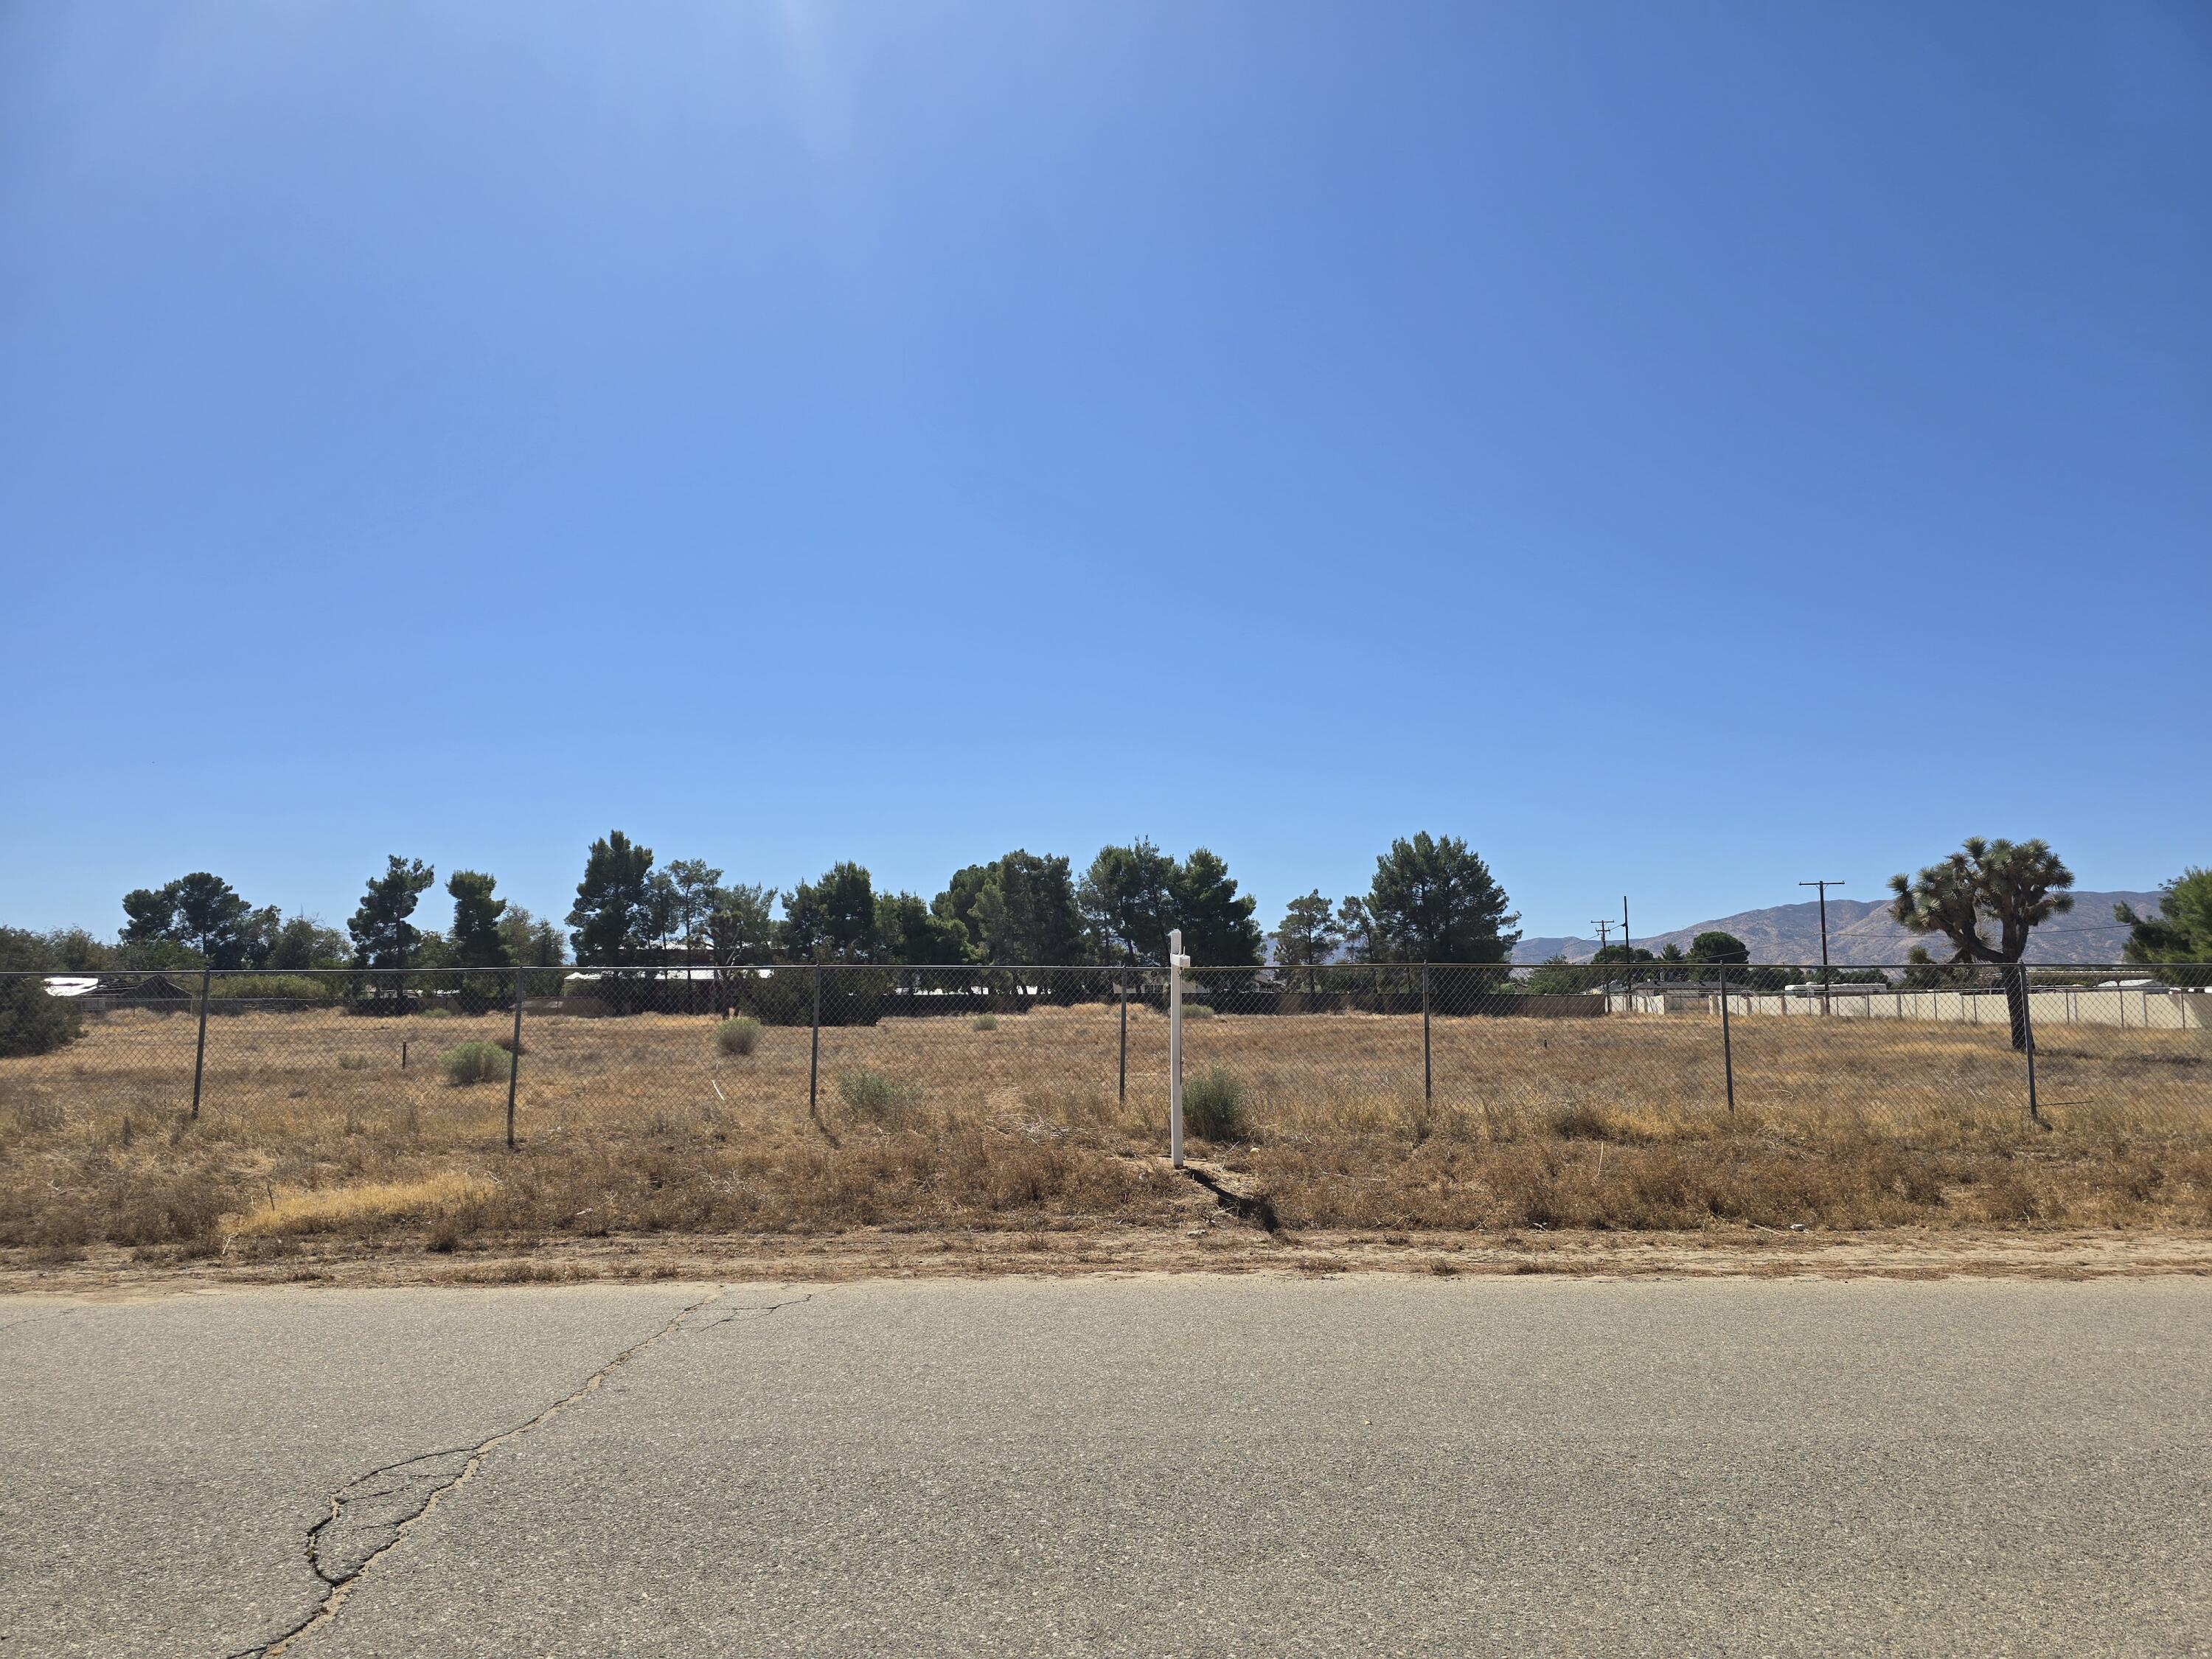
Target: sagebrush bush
x,y
33,1023
476,1062
875,1095
1197,1011
986,1022
353,1062
1213,1106
740,1036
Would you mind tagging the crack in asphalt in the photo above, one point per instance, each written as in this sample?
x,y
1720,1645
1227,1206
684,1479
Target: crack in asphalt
x,y
370,1514
32,1318
734,1313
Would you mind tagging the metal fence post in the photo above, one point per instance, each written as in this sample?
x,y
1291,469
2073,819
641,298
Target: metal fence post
x,y
1121,984
1727,1048
1428,1068
1176,962
199,1052
814,1052
2027,1031
515,1056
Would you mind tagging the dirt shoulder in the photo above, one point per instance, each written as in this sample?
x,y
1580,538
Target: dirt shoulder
x,y
1212,1247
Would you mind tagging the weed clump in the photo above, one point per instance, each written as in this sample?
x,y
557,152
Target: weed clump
x,y
475,1063
1213,1106
875,1095
353,1062
739,1034
448,1198
1582,1121
37,1116
986,1022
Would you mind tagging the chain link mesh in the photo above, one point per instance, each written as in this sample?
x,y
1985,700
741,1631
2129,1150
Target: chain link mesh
x,y
777,1095
1338,1038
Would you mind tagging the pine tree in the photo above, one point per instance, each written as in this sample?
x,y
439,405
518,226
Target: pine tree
x,y
1306,936
479,939
1433,900
609,916
1217,928
383,937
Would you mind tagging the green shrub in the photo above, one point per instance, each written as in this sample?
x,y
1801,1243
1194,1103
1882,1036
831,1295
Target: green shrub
x,y
434,1014
874,1095
740,1036
986,1022
353,1062
476,1062
1213,1106
1197,1011
33,1023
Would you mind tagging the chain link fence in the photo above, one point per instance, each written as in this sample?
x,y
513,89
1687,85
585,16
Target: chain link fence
x,y
242,1113
1278,1046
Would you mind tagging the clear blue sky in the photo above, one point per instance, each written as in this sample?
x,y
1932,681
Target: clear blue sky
x,y
1682,449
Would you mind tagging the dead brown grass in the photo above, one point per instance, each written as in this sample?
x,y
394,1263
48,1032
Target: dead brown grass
x,y
645,1126
450,1195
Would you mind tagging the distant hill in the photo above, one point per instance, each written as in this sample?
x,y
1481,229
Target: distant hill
x,y
1861,933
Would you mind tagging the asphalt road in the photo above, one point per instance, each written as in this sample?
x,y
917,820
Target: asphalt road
x,y
1137,1467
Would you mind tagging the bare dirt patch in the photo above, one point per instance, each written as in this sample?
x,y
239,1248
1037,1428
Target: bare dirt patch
x,y
106,1271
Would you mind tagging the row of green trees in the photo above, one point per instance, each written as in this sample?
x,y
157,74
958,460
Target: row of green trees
x,y
1021,907
1431,899
200,920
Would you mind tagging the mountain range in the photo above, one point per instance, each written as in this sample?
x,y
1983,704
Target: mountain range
x,y
1860,934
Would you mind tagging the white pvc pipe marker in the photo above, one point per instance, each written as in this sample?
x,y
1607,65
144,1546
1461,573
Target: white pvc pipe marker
x,y
1176,962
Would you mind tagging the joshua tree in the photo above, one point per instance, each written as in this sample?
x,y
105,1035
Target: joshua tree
x,y
2014,886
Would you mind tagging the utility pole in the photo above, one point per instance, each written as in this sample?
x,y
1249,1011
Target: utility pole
x,y
1605,926
1627,943
1824,886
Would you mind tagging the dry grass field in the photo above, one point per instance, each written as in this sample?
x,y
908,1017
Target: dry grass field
x,y
312,1129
